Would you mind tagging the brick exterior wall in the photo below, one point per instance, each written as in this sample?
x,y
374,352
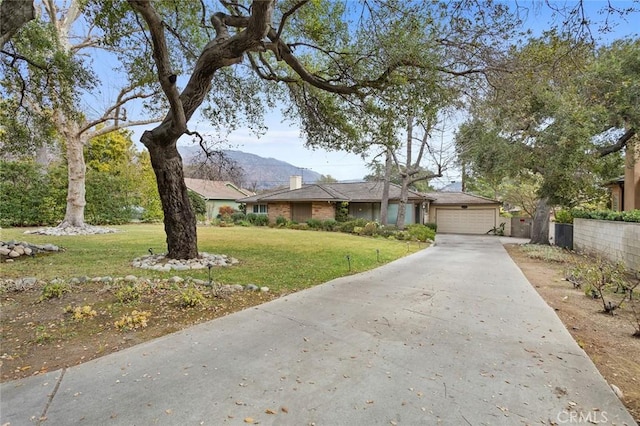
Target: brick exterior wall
x,y
617,241
278,209
322,210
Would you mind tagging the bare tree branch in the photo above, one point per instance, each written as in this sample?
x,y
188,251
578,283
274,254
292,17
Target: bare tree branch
x,y
125,125
621,143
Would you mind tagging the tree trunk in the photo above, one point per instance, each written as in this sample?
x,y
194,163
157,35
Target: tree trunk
x,y
13,15
402,206
74,215
384,203
540,226
179,217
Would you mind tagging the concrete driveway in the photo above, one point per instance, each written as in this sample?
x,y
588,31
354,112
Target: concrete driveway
x,y
451,335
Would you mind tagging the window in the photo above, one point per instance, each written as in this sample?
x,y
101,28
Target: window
x,y
260,208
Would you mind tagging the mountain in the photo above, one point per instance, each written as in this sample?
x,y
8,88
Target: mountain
x,y
260,172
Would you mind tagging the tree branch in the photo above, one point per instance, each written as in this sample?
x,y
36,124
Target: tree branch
x,y
163,64
621,143
125,125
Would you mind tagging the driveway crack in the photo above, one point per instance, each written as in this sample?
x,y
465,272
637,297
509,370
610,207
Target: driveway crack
x,y
43,416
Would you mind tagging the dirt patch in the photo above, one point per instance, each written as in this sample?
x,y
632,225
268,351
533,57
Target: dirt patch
x,y
605,338
40,335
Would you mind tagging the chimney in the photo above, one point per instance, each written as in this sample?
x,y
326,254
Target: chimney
x,y
295,182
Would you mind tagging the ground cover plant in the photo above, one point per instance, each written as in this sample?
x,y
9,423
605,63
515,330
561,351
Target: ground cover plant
x,y
80,305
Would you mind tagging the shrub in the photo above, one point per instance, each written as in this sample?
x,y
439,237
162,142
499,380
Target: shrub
x,y
314,223
80,313
342,211
564,216
54,290
298,226
237,217
627,216
128,293
197,203
261,220
329,225
190,297
31,197
351,224
402,235
421,232
387,231
432,225
137,319
370,229
281,221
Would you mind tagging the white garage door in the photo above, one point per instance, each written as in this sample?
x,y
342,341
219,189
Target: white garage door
x,y
461,221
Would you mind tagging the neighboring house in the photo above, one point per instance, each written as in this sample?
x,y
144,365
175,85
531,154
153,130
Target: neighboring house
x,y
318,201
216,194
625,191
463,213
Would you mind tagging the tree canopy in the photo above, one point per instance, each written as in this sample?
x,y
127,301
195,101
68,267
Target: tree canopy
x,y
342,70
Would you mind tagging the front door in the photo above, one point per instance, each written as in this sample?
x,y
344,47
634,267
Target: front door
x,y
300,212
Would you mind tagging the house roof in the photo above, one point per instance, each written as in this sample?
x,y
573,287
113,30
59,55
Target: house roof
x,y
216,190
337,192
450,198
615,182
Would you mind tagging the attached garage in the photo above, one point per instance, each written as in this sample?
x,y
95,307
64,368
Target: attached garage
x,y
474,221
463,213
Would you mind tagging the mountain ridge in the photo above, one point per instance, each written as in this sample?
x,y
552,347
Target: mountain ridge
x,y
260,172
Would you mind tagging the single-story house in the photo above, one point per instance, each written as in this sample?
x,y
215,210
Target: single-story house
x,y
625,191
319,201
463,213
216,194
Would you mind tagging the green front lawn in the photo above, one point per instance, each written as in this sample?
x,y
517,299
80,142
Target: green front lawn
x,y
281,259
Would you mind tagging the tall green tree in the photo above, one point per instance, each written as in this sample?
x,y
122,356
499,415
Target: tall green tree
x,y
47,79
539,118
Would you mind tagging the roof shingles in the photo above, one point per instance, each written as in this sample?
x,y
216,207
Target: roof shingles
x,y
336,192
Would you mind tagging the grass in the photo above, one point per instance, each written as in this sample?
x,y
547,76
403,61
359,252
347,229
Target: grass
x,y
281,259
546,253
58,324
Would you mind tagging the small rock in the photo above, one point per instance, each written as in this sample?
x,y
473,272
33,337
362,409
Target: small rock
x,y
19,249
106,279
175,279
264,289
131,278
199,282
23,284
251,287
237,287
74,281
4,251
617,391
28,251
14,254
179,267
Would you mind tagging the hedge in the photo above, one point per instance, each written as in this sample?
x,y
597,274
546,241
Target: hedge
x,y
625,216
